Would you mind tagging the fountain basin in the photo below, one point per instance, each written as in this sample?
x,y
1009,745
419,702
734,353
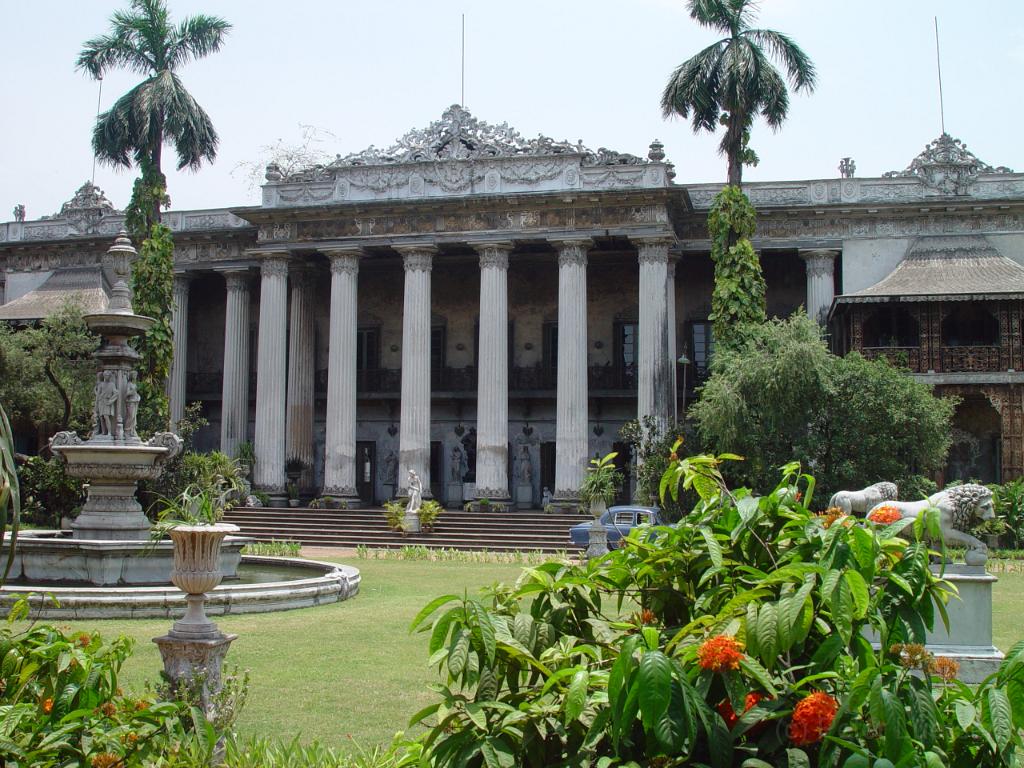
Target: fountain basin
x,y
45,560
278,584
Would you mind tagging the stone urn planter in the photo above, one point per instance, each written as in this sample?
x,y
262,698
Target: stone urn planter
x,y
197,571
598,544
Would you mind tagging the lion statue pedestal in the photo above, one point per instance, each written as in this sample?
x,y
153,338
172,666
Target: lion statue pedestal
x,y
969,639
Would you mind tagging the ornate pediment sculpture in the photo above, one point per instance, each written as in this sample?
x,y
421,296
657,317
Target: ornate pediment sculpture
x,y
947,166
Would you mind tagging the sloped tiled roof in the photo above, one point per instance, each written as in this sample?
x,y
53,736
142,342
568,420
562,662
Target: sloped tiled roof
x,y
947,268
85,286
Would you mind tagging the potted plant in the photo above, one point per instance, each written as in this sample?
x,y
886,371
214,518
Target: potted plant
x,y
601,484
193,521
246,456
598,490
293,494
294,467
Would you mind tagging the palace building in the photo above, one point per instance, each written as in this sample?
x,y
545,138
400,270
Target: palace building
x,y
488,310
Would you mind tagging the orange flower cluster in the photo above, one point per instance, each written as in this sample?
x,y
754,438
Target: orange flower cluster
x,y
720,653
47,706
945,667
912,655
885,515
645,617
108,708
812,717
729,715
830,516
107,760
84,639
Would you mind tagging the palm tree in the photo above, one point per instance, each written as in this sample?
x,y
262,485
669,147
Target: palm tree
x,y
732,81
144,40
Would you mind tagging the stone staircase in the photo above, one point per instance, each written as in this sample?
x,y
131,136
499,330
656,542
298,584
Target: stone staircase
x,y
454,529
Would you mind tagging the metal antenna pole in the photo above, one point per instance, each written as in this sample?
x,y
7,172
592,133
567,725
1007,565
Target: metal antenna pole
x,y
99,97
938,66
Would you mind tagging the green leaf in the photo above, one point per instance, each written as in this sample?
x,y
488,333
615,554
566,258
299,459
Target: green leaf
x,y
1002,716
714,548
798,758
654,681
458,653
767,633
966,713
576,698
859,593
497,753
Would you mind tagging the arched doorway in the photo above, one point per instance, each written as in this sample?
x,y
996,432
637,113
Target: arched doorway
x,y
975,452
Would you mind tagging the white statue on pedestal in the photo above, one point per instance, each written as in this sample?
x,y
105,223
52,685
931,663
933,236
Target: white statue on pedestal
x,y
960,507
866,498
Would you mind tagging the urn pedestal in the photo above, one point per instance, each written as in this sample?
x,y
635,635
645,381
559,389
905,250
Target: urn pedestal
x,y
598,545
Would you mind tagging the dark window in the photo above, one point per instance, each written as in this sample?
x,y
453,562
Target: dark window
x,y
551,346
438,353
970,326
367,349
891,327
626,352
702,347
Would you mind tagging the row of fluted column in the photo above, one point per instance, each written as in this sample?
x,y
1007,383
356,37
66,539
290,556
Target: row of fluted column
x,y
284,392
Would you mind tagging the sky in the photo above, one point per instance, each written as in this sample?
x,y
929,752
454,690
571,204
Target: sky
x,y
362,73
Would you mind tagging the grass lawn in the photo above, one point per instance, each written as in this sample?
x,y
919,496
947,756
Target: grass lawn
x,y
325,673
353,669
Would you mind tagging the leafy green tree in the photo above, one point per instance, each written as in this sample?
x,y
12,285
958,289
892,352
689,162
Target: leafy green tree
x,y
781,395
47,372
733,80
738,298
144,40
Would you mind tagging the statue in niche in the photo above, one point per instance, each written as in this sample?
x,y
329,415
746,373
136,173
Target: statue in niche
x,y
389,469
469,447
131,406
19,212
455,469
106,404
525,466
415,493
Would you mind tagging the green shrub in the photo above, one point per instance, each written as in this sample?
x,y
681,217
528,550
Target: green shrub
x,y
48,492
430,510
746,647
273,548
1008,501
60,703
394,514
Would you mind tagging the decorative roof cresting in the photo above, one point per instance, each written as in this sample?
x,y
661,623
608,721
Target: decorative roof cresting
x,y
947,166
458,136
88,197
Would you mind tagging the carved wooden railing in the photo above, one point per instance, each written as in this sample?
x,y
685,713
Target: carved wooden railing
x,y
984,359
903,357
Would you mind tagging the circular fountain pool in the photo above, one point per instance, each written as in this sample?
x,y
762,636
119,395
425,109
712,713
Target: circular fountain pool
x,y
262,584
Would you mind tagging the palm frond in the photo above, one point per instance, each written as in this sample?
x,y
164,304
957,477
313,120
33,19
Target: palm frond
x,y
107,52
196,37
693,88
186,124
714,14
774,100
799,67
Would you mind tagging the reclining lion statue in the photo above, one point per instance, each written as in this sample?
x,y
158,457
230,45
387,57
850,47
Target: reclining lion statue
x,y
960,508
866,498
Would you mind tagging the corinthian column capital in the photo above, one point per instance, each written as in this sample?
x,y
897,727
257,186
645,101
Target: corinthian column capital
x,y
344,261
652,250
275,265
820,261
494,255
417,258
572,252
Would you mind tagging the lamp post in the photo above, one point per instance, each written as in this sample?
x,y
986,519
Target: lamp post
x,y
684,361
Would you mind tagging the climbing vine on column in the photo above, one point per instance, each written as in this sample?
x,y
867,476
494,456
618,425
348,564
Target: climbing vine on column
x,y
153,296
738,298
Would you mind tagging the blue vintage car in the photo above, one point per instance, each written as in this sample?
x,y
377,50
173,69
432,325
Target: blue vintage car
x,y
619,521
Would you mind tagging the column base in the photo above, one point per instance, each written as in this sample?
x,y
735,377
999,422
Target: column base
x,y
345,497
492,494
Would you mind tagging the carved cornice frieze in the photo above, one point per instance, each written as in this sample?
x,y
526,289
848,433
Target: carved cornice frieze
x,y
572,253
344,262
276,231
836,227
274,265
